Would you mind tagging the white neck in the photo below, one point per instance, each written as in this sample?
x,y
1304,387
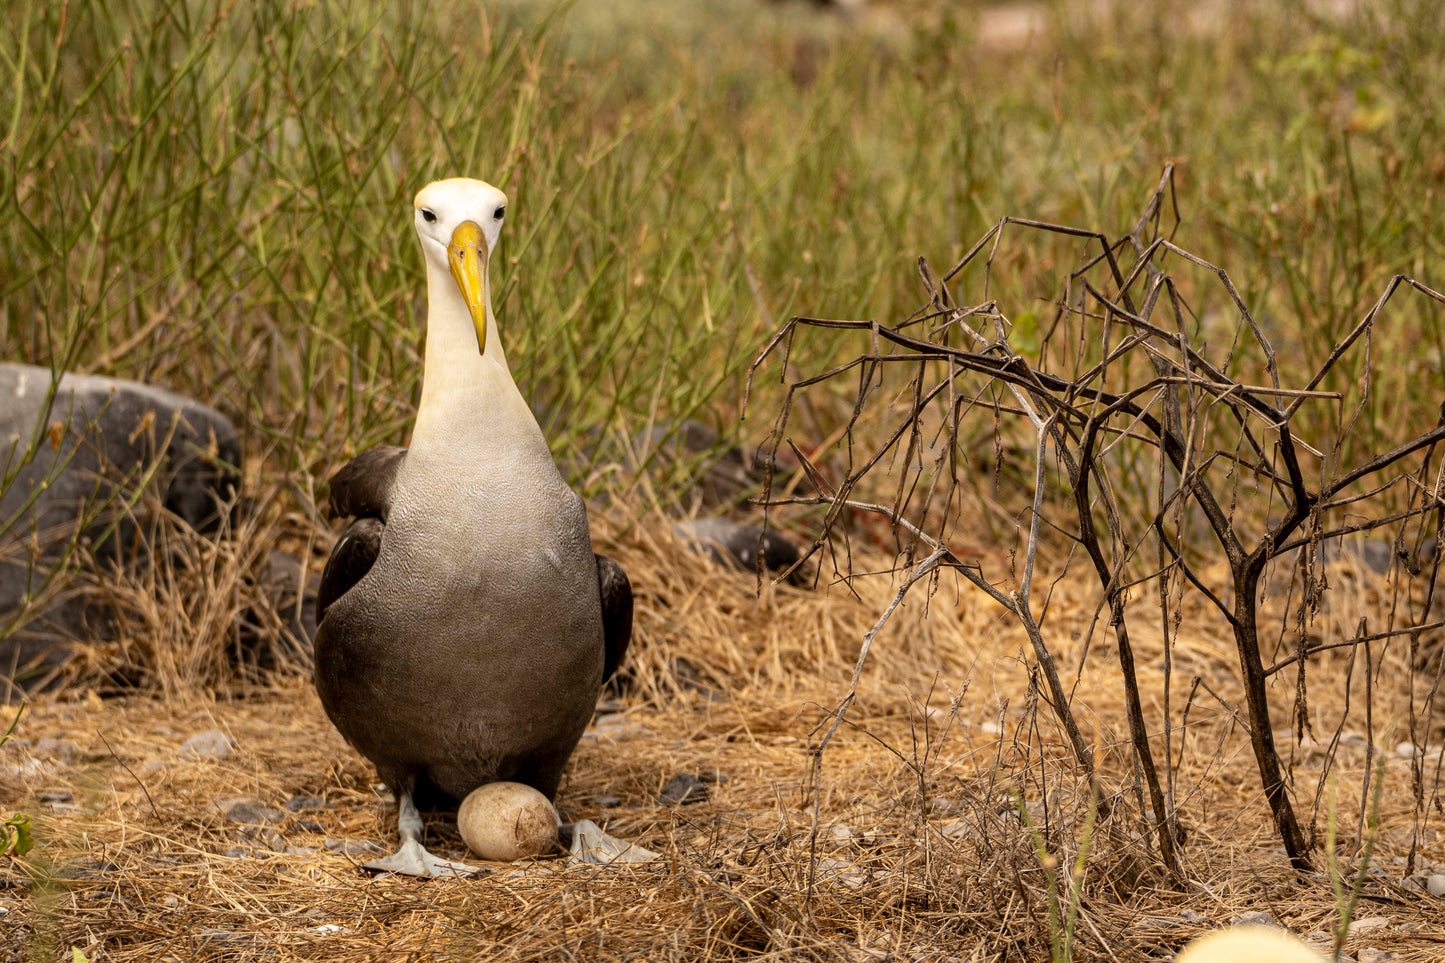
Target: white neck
x,y
468,398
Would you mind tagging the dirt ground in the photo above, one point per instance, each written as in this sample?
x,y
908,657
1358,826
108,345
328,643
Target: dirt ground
x,y
910,846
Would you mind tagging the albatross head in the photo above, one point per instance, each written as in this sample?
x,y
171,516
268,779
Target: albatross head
x,y
458,221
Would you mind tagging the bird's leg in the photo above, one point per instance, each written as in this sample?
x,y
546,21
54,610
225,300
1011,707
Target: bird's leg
x,y
412,859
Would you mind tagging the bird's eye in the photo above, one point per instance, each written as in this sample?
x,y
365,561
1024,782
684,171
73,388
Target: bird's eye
x,y
497,214
428,216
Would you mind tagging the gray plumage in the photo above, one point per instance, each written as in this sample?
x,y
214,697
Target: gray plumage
x,y
470,654
465,623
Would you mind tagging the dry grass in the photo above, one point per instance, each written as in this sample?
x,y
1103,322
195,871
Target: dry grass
x,y
934,863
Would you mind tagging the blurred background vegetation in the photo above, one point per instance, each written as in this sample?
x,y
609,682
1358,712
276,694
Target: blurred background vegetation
x,y
215,197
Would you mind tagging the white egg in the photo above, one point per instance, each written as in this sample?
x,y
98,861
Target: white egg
x,y
506,821
1249,944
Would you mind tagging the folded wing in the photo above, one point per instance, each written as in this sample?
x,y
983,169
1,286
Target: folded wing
x,y
360,490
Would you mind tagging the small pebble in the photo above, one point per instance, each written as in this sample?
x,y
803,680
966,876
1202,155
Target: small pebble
x,y
1366,925
1405,750
1372,955
1160,923
304,804
1435,885
263,837
211,744
53,745
1255,919
945,806
837,871
684,789
309,826
352,847
249,811
219,934
617,726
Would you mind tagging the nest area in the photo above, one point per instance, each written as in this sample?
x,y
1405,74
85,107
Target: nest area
x,y
907,842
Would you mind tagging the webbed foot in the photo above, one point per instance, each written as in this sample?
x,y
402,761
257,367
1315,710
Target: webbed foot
x,y
587,843
414,860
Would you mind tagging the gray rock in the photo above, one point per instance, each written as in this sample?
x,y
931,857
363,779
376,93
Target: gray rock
x,y
249,811
684,789
832,870
736,545
719,473
54,745
1367,925
264,838
304,804
1377,555
1160,923
293,597
353,847
956,829
615,727
1255,919
211,744
1435,885
77,456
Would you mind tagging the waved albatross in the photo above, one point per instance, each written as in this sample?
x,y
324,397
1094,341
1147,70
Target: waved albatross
x,y
465,624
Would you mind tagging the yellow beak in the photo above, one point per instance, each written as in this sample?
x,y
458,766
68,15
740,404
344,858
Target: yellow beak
x,y
467,257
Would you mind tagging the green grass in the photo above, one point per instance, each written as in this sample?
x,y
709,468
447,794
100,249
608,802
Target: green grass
x,y
219,201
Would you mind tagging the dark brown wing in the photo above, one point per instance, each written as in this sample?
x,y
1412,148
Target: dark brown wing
x,y
616,593
350,559
362,488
